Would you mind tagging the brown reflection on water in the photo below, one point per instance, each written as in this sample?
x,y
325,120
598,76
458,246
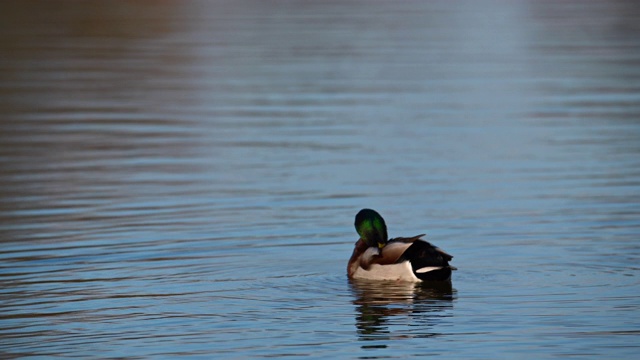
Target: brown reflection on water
x,y
86,106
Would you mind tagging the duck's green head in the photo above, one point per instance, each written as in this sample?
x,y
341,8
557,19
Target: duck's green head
x,y
371,228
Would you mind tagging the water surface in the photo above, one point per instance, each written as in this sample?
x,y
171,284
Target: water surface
x,y
179,179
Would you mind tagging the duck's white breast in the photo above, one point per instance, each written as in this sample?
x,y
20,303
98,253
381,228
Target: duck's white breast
x,y
401,271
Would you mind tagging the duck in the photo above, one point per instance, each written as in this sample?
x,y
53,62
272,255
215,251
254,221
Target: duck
x,y
375,257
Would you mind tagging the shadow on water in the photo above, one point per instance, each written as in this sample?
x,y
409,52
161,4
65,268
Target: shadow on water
x,y
397,310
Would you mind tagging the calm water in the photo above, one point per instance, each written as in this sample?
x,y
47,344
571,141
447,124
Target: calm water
x,y
179,179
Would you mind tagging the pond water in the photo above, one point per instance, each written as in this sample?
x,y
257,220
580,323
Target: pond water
x,y
179,179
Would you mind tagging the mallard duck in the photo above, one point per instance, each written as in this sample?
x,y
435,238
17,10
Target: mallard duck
x,y
409,259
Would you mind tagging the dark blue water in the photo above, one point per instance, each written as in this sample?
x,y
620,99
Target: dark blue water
x,y
179,179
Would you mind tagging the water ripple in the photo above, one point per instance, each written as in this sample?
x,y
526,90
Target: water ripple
x,y
180,179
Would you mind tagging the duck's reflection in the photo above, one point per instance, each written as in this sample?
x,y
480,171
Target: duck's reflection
x,y
392,310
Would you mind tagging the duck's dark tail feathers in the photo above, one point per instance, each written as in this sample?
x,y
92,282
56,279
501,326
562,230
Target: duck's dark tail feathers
x,y
428,262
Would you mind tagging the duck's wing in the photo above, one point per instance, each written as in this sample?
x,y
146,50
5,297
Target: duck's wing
x,y
446,256
425,257
394,250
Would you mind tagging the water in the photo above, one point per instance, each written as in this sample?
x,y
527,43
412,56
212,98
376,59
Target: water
x,y
179,179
